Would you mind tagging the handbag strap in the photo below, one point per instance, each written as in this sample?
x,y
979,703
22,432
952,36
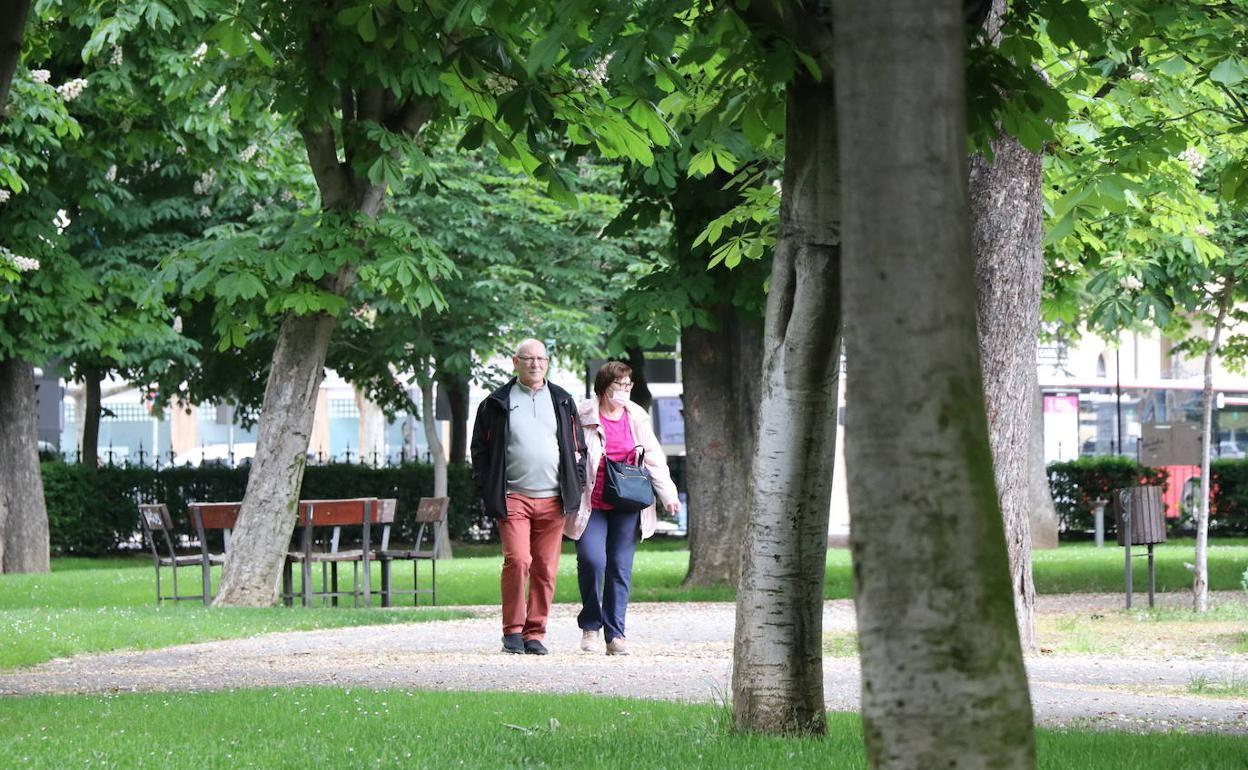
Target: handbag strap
x,y
639,453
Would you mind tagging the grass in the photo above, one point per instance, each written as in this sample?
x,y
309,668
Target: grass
x,y
1154,633
358,728
1235,687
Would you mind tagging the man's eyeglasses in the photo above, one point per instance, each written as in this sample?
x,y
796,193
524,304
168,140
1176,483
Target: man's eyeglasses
x,y
532,359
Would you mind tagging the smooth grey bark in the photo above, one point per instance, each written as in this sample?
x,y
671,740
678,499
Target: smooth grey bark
x,y
721,390
1200,580
13,15
437,452
942,668
1043,512
253,566
24,544
1006,230
777,677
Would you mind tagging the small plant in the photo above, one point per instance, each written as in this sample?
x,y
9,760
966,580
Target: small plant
x,y
1243,581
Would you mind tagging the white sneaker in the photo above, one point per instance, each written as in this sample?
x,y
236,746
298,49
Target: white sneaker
x,y
617,646
589,640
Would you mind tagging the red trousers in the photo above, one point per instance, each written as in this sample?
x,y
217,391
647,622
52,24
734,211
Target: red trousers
x,y
532,534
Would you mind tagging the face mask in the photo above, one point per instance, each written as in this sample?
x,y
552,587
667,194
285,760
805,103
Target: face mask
x,y
619,397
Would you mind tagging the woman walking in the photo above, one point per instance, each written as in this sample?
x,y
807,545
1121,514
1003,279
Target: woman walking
x,y
606,539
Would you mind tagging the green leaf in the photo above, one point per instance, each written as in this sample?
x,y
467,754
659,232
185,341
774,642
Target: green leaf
x,y
366,27
1228,72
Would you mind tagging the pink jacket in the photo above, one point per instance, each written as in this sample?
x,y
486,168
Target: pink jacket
x,y
595,442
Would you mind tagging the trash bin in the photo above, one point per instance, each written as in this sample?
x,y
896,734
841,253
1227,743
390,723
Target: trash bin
x,y
1141,519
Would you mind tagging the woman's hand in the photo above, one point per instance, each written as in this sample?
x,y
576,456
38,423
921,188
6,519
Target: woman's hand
x,y
672,506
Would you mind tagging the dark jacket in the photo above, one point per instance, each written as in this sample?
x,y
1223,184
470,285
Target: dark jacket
x,y
489,449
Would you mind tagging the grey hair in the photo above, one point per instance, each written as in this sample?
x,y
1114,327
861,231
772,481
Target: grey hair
x,y
527,342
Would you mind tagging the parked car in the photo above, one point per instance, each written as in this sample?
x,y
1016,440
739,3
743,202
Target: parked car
x,y
1229,450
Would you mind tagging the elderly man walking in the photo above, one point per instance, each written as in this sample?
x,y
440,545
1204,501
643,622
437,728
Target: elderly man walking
x,y
529,467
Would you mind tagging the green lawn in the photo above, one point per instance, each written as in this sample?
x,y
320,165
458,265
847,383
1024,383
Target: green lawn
x,y
365,728
94,605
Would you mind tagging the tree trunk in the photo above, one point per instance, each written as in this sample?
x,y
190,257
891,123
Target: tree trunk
x,y
455,388
12,25
640,394
942,669
24,545
1043,512
720,404
372,430
267,519
89,418
1006,229
430,423
777,680
1200,585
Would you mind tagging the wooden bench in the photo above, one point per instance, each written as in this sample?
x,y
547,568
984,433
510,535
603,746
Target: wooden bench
x,y
430,512
154,518
332,515
208,518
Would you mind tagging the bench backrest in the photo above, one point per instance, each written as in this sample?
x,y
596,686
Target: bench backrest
x,y
155,517
338,513
432,510
216,515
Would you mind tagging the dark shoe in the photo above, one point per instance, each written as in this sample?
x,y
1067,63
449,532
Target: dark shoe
x,y
535,647
513,643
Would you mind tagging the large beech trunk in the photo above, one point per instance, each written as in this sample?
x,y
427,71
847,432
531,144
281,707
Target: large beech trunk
x,y
1007,225
253,567
943,682
721,387
777,679
24,545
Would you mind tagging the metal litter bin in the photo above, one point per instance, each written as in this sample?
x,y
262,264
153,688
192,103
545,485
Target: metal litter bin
x,y
1140,516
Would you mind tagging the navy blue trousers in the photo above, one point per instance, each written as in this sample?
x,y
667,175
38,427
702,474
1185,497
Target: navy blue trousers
x,y
604,570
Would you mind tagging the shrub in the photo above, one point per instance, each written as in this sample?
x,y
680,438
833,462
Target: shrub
x,y
1228,509
1075,484
91,511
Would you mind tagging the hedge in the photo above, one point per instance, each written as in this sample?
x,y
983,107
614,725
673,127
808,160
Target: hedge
x,y
91,511
1075,484
1228,510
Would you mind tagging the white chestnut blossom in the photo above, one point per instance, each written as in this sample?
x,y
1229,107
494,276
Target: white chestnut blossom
x,y
1140,77
248,153
1203,231
205,182
287,196
111,174
5,195
1194,160
40,76
72,89
1131,283
23,264
216,98
61,220
118,56
199,53
205,212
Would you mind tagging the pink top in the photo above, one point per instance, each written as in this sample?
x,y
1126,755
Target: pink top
x,y
620,445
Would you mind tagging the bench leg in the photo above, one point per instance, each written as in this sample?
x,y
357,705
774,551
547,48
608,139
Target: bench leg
x,y
367,588
307,583
333,598
433,581
386,588
288,585
415,582
159,598
207,574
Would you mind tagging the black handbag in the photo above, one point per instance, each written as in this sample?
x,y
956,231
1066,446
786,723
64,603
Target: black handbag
x,y
627,487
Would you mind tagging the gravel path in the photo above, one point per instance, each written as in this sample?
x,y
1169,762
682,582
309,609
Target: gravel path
x,y
679,652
